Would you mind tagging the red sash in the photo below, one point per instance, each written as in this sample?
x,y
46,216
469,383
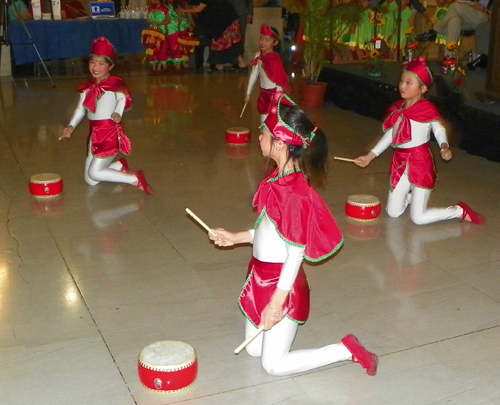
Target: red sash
x,y
300,215
273,67
422,111
96,90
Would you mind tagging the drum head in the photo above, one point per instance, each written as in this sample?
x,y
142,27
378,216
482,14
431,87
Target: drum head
x,y
167,354
363,200
238,130
44,178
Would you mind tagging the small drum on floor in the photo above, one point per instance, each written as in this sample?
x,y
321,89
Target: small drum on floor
x,y
46,185
237,135
362,207
167,366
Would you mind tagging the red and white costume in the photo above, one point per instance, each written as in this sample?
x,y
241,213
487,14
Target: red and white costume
x,y
293,223
272,76
413,173
106,138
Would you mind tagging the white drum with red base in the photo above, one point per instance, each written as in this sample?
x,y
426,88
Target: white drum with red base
x,y
46,185
167,366
237,135
362,207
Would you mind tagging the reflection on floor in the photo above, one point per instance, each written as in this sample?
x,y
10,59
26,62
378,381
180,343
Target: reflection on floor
x,y
89,280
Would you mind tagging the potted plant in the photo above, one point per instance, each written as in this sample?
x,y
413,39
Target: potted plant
x,y
324,25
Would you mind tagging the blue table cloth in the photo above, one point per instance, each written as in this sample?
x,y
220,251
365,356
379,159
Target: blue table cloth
x,y
73,39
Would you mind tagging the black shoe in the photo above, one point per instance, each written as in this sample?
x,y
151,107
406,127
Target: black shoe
x,y
427,36
481,61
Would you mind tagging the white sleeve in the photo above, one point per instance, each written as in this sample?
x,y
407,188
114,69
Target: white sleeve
x,y
79,112
120,103
384,142
439,132
290,269
252,233
253,78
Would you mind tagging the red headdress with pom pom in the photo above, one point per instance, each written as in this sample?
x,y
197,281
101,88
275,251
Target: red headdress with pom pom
x,y
266,30
102,47
418,67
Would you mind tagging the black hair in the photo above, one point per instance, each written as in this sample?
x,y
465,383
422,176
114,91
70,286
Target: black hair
x,y
278,41
311,160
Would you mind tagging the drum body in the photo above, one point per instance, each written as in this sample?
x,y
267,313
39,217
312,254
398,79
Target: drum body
x,y
362,207
46,185
237,135
167,366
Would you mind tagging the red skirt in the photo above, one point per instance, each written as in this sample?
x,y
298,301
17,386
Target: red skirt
x,y
261,282
265,99
108,138
421,170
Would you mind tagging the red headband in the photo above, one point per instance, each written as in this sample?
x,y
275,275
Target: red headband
x,y
102,47
278,128
419,68
266,30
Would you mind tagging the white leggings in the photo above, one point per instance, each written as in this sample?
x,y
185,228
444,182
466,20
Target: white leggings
x,y
400,197
104,169
273,346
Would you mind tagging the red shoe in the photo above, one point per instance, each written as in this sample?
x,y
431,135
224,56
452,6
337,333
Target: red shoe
x,y
143,184
125,167
474,217
368,360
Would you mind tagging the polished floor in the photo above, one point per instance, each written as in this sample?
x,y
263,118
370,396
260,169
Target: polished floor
x,y
89,280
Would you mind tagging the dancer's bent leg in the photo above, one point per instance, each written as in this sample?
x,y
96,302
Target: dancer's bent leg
x,y
422,215
99,170
397,200
277,359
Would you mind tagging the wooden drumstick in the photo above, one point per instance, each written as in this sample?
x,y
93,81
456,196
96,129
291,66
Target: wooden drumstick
x,y
247,342
203,224
61,137
344,159
243,110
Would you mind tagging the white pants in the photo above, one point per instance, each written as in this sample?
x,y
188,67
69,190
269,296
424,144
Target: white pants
x,y
104,169
400,197
460,16
274,346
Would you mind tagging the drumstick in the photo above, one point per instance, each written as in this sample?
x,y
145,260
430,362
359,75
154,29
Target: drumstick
x,y
243,110
247,342
203,224
61,137
344,159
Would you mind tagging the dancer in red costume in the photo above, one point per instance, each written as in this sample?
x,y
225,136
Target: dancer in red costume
x,y
293,223
267,64
407,129
104,98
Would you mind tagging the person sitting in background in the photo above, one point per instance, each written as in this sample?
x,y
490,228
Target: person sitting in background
x,y
18,11
482,43
461,16
72,10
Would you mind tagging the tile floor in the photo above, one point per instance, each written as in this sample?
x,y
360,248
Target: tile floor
x,y
87,281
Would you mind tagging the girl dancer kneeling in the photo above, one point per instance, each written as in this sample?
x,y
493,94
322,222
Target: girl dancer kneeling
x,y
104,98
408,129
293,223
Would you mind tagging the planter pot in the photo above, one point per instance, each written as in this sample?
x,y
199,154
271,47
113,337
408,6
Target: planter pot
x,y
312,95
